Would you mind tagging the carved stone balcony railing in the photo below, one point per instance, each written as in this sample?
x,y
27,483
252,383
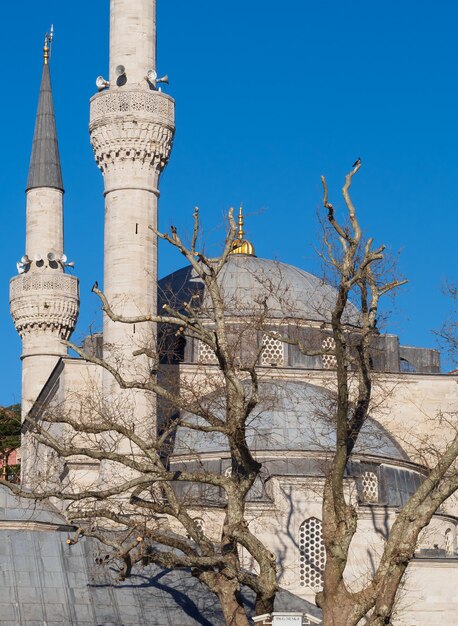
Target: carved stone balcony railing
x,y
132,126
151,104
46,301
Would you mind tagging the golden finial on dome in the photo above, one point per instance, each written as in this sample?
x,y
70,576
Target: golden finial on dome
x,y
241,245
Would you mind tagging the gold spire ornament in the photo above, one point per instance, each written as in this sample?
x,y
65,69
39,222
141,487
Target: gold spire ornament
x,y
48,44
46,51
241,245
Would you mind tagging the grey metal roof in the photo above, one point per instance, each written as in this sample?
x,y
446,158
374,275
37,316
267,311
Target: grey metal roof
x,y
290,416
45,169
13,508
45,581
247,281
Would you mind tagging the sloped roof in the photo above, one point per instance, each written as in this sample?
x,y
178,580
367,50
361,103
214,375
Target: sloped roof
x,y
43,580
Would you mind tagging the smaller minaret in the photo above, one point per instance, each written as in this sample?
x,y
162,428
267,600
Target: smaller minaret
x,y
44,299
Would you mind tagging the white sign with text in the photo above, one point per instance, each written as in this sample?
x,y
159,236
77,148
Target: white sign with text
x,y
287,620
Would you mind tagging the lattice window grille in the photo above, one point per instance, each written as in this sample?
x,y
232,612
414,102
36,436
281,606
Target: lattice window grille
x,y
206,354
273,352
329,360
369,483
312,554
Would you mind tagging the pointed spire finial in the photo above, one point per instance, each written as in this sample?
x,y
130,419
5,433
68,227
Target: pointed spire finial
x,y
241,222
46,51
48,45
241,245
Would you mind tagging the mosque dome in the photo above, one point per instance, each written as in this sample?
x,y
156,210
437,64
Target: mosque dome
x,y
249,283
291,416
291,433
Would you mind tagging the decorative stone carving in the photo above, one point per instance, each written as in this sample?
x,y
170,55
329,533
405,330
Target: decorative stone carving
x,y
132,125
46,302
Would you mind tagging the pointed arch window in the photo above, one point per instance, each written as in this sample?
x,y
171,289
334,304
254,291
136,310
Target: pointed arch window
x,y
312,554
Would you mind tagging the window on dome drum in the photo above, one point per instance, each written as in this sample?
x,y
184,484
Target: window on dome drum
x,y
206,354
273,351
312,554
369,484
407,367
329,360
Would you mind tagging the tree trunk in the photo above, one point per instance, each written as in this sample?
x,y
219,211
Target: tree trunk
x,y
231,605
264,605
338,613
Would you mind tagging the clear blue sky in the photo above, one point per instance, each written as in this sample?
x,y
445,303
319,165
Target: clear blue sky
x,y
269,95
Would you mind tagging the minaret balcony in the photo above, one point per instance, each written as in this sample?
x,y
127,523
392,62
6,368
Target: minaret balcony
x,y
45,302
155,105
132,125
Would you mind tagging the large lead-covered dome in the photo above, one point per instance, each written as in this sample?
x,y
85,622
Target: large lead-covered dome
x,y
250,284
290,416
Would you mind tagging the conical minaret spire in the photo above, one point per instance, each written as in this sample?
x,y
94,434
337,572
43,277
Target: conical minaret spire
x,y
44,299
45,169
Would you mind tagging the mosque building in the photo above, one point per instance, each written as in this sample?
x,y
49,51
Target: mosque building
x,y
47,579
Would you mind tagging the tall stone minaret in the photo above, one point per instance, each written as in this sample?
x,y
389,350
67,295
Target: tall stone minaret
x,y
44,299
131,128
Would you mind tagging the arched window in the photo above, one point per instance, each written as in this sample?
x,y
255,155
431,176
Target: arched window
x,y
406,366
369,484
312,554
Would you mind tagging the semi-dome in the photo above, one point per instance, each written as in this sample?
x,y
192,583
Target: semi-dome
x,y
291,416
250,284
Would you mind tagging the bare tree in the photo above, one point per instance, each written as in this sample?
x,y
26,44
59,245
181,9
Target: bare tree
x,y
153,512
356,263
